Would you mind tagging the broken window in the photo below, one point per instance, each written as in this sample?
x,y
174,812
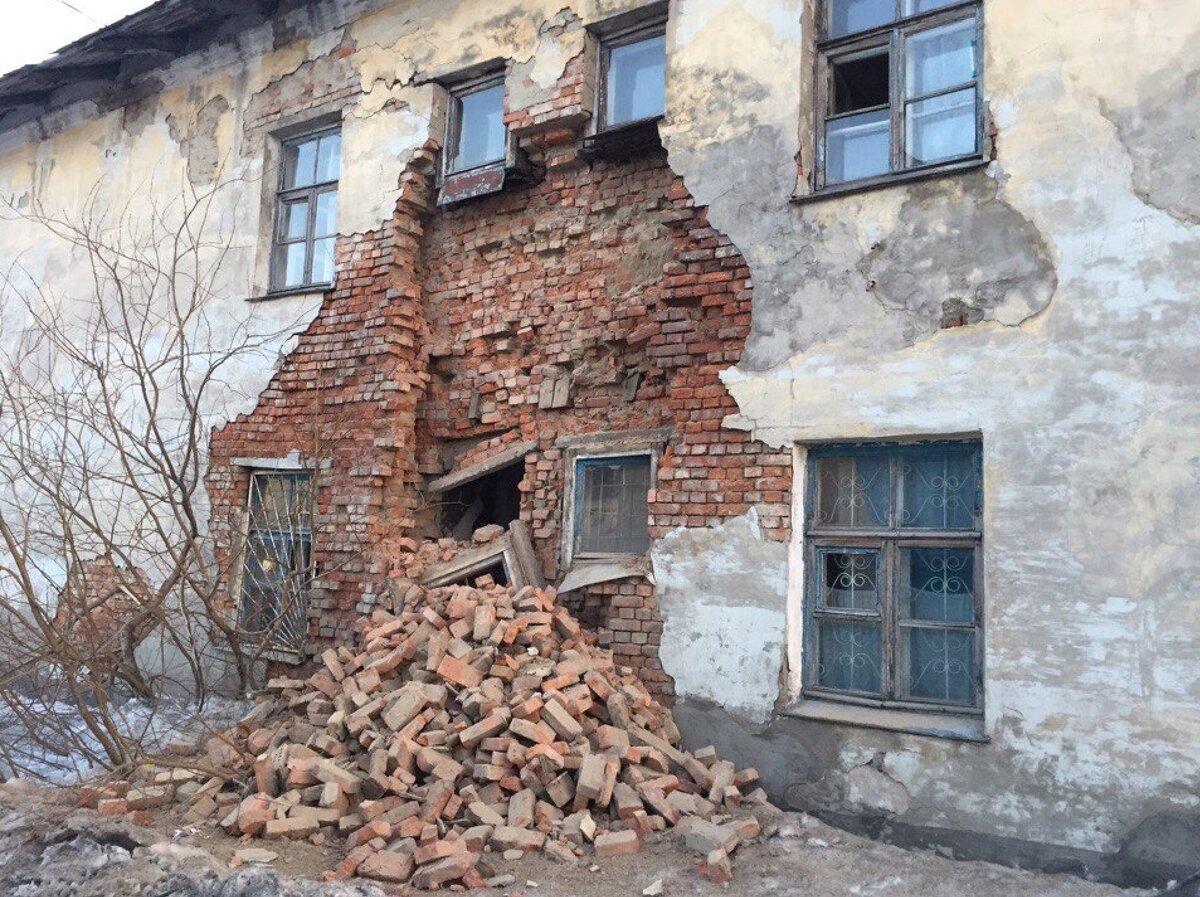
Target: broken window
x,y
900,82
491,498
633,76
894,593
476,136
611,505
306,211
277,570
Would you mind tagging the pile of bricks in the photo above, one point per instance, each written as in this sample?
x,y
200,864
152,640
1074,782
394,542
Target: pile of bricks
x,y
473,721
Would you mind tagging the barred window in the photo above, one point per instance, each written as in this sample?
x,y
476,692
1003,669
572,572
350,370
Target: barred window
x,y
899,86
277,569
894,592
611,505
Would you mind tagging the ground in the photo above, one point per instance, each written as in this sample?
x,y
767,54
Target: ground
x,y
49,849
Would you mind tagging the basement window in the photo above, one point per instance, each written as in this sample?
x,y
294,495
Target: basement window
x,y
277,569
899,89
306,212
611,505
894,597
476,136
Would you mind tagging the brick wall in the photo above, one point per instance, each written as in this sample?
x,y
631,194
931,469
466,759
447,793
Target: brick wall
x,y
347,395
598,299
607,275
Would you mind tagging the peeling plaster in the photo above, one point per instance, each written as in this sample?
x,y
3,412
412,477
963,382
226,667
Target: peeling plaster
x,y
1071,259
721,594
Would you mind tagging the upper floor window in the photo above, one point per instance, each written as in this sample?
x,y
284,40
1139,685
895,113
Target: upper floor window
x,y
476,134
894,594
633,68
899,87
306,213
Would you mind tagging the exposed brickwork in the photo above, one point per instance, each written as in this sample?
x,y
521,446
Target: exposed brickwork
x,y
346,395
98,611
597,300
569,103
607,275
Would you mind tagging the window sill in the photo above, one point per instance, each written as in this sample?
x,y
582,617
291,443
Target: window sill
x,y
905,177
956,727
313,289
584,572
624,142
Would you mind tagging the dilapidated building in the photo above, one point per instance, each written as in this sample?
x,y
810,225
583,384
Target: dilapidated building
x,y
837,358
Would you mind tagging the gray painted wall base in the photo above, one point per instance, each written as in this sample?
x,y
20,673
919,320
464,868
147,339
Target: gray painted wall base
x,y
794,762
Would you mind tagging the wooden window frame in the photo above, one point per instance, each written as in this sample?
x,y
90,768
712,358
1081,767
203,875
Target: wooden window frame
x,y
575,498
888,542
285,195
457,90
894,36
608,42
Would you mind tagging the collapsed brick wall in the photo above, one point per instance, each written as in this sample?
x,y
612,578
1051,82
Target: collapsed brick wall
x,y
597,299
608,276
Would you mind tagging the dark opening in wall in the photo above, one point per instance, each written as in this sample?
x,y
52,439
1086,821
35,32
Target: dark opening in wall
x,y
492,498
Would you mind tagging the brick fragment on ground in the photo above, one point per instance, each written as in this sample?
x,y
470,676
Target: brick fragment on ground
x,y
468,718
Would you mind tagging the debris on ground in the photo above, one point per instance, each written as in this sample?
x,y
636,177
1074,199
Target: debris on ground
x,y
473,721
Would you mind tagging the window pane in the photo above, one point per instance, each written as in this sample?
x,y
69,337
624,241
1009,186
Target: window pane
x,y
612,508
848,16
481,128
914,7
938,665
942,127
295,220
329,158
849,656
850,580
857,146
862,82
326,223
939,490
636,80
295,256
280,501
853,491
940,58
322,265
938,584
300,161
275,581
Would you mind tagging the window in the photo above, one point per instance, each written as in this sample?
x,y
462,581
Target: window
x,y
899,87
612,505
477,136
633,67
894,581
306,214
277,569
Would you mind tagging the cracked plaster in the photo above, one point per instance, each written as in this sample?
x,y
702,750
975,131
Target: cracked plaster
x,y
1074,253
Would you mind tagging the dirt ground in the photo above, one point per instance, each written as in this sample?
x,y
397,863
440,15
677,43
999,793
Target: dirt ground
x,y
41,836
